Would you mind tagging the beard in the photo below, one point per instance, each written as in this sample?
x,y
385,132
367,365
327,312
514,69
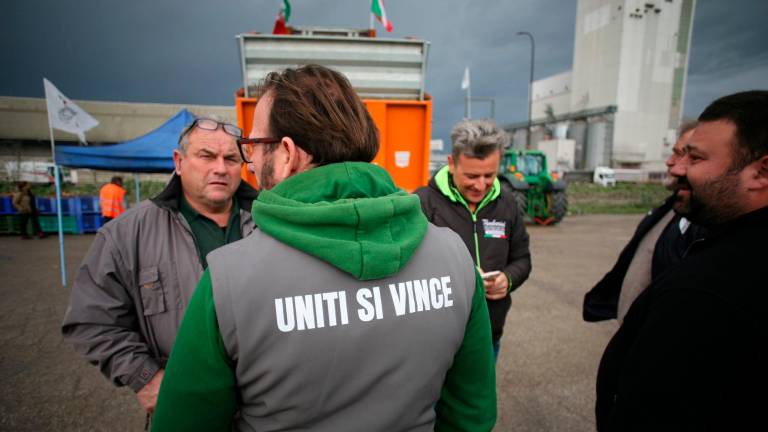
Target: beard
x,y
712,202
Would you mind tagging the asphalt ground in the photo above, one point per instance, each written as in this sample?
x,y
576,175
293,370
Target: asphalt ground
x,y
545,374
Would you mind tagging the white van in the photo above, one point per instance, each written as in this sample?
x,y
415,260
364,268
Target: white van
x,y
37,172
604,176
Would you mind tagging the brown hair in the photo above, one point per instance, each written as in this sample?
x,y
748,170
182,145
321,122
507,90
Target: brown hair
x,y
318,109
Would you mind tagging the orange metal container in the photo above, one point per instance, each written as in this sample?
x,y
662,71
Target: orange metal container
x,y
405,128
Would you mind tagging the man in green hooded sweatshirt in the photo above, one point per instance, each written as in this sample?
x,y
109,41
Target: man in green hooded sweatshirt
x,y
345,310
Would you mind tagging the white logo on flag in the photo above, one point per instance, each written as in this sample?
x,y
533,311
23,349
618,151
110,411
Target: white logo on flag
x,y
65,115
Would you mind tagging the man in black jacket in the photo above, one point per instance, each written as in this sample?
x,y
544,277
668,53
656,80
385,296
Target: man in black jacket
x,y
692,350
661,240
466,197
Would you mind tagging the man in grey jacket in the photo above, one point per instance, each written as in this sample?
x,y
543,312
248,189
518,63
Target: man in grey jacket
x,y
345,310
133,286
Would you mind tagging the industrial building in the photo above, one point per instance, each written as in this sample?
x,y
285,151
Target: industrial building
x,y
622,101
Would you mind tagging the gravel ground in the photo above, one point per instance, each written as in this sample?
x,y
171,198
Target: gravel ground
x,y
546,369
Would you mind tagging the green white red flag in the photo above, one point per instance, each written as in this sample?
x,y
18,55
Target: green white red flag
x,y
282,18
377,8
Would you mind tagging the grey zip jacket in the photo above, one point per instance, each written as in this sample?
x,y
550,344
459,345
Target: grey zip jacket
x,y
134,284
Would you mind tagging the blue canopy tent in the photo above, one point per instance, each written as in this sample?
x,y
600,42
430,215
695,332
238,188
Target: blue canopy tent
x,y
150,153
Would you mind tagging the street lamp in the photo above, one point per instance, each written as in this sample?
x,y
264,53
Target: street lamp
x,y
487,99
530,87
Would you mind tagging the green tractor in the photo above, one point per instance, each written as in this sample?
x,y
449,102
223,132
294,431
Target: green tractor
x,y
538,192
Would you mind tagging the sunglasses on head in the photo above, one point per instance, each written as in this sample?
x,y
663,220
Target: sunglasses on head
x,y
212,125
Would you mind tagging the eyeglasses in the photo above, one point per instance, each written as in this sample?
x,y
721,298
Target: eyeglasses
x,y
212,125
247,146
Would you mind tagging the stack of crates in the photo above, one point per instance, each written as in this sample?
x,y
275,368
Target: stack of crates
x,y
90,214
9,220
79,215
70,215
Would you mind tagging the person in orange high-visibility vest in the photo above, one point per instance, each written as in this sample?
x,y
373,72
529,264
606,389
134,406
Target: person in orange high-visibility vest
x,y
111,199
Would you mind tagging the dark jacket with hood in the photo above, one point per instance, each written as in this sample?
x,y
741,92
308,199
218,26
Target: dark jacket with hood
x,y
692,351
495,234
133,286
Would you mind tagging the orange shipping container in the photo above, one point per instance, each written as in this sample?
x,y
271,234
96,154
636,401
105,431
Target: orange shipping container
x,y
404,131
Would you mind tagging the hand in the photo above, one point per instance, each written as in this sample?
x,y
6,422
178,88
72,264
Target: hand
x,y
148,394
496,288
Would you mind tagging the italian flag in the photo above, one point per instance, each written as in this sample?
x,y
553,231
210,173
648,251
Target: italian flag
x,y
282,18
377,8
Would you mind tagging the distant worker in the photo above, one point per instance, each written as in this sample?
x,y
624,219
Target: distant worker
x,y
24,202
466,197
662,239
134,284
345,310
112,199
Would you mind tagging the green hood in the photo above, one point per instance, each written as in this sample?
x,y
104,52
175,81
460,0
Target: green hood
x,y
348,214
445,184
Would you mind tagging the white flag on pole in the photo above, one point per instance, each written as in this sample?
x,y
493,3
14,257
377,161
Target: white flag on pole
x,y
465,80
65,115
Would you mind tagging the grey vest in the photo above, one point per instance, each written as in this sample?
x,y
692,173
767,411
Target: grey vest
x,y
316,349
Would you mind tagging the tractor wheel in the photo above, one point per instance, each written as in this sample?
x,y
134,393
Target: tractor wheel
x,y
558,205
521,199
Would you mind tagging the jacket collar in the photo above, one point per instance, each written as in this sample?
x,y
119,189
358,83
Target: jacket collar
x,y
751,221
170,197
443,182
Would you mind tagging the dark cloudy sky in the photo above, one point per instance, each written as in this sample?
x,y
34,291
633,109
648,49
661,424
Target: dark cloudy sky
x,y
184,51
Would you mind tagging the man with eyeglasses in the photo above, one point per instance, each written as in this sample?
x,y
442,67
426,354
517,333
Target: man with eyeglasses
x,y
345,310
133,286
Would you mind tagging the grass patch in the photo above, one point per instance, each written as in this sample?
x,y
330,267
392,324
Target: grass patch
x,y
625,198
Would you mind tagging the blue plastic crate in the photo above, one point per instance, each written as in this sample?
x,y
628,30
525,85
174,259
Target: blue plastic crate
x,y
69,206
45,205
90,222
6,205
90,204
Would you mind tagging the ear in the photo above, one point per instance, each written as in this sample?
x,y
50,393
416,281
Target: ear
x,y
758,174
290,159
177,156
451,164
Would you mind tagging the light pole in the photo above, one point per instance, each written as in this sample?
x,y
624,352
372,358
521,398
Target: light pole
x,y
487,99
530,87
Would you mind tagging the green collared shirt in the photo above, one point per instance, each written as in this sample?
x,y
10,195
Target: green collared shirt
x,y
207,233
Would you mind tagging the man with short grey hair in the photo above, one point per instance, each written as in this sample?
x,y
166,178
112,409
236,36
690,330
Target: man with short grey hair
x,y
133,286
466,197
